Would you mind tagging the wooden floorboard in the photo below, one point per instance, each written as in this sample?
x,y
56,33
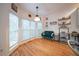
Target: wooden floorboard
x,y
43,47
1,52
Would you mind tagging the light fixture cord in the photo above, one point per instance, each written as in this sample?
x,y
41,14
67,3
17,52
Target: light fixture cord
x,y
37,9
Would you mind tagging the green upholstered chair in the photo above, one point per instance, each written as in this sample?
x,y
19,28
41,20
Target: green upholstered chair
x,y
48,34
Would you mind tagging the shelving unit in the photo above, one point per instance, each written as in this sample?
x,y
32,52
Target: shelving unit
x,y
63,32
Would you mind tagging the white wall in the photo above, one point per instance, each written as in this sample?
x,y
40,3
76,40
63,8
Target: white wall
x,y
4,20
74,24
54,28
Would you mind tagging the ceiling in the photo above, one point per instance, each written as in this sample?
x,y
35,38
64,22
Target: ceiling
x,y
47,9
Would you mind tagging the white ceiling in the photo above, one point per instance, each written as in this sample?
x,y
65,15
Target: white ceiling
x,y
47,9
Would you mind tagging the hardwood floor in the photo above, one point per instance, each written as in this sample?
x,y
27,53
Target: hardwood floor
x,y
1,52
43,47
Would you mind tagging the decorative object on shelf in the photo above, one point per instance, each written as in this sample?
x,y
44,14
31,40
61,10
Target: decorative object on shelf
x,y
46,23
14,7
68,23
46,18
53,23
63,25
37,18
64,18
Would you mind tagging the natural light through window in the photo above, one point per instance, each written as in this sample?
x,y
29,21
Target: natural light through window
x,y
26,29
32,28
13,29
39,28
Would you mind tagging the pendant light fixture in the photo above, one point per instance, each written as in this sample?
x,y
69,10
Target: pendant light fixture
x,y
37,18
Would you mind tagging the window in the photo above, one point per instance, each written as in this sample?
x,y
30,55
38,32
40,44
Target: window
x,y
39,28
32,29
26,29
13,29
29,29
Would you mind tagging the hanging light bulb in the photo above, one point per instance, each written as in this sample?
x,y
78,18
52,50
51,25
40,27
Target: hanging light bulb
x,y
37,18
